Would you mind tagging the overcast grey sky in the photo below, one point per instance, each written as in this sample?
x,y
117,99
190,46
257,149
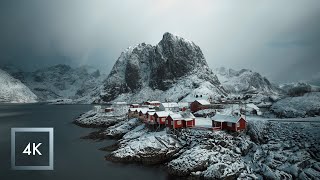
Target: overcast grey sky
x,y
278,38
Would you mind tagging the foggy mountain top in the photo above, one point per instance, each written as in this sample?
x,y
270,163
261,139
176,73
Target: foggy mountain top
x,y
278,39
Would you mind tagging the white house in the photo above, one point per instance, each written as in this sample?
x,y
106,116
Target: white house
x,y
169,106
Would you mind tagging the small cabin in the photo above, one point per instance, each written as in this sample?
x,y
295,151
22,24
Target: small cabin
x,y
134,105
180,120
133,112
150,118
143,113
199,105
231,123
190,120
169,106
175,121
160,117
153,103
109,109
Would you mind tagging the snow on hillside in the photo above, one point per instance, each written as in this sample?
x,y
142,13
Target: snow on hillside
x,y
81,85
300,106
257,88
174,69
14,91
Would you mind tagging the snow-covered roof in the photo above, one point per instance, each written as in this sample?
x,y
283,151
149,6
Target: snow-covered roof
x,y
226,118
133,109
170,104
203,102
145,110
253,106
183,104
163,113
134,104
182,116
176,116
187,116
118,103
151,112
153,102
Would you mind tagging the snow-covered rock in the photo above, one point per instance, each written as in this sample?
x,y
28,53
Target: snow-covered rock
x,y
175,69
301,106
14,91
95,118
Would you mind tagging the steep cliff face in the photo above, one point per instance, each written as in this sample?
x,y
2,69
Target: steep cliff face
x,y
14,91
173,69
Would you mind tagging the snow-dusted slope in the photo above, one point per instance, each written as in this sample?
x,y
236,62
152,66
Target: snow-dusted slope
x,y
174,69
13,91
301,106
246,82
62,82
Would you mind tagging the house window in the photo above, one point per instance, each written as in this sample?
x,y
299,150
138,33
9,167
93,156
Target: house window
x,y
238,124
178,122
229,124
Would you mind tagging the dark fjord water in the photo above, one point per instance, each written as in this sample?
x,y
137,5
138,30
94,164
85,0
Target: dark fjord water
x,y
74,158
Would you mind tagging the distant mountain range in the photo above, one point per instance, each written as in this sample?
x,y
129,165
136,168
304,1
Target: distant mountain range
x,y
173,70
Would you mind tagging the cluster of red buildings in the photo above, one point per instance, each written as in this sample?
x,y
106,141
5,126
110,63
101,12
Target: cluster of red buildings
x,y
174,120
167,117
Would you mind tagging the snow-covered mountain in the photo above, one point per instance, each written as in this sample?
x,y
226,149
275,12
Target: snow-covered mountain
x,y
246,82
14,91
62,82
175,69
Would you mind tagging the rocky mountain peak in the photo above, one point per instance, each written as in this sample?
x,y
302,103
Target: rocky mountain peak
x,y
157,67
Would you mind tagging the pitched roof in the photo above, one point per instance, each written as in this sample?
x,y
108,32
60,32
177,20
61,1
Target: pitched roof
x,y
151,112
203,102
226,118
253,106
183,116
187,116
134,104
163,113
145,110
153,102
176,116
183,104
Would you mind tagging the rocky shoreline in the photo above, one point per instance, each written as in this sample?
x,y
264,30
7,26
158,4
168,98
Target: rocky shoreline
x,y
268,150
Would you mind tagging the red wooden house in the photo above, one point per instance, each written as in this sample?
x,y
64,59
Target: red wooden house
x,y
133,112
183,120
143,113
199,105
190,120
150,118
175,121
161,116
134,105
231,123
153,103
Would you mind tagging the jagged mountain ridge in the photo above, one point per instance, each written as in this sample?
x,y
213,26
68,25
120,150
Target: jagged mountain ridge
x,y
244,81
174,69
62,82
14,91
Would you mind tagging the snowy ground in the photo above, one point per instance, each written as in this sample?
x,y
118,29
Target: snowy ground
x,y
302,106
270,149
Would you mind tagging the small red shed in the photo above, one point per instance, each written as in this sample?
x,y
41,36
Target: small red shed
x,y
150,117
232,123
161,116
134,105
190,120
199,105
175,121
153,103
